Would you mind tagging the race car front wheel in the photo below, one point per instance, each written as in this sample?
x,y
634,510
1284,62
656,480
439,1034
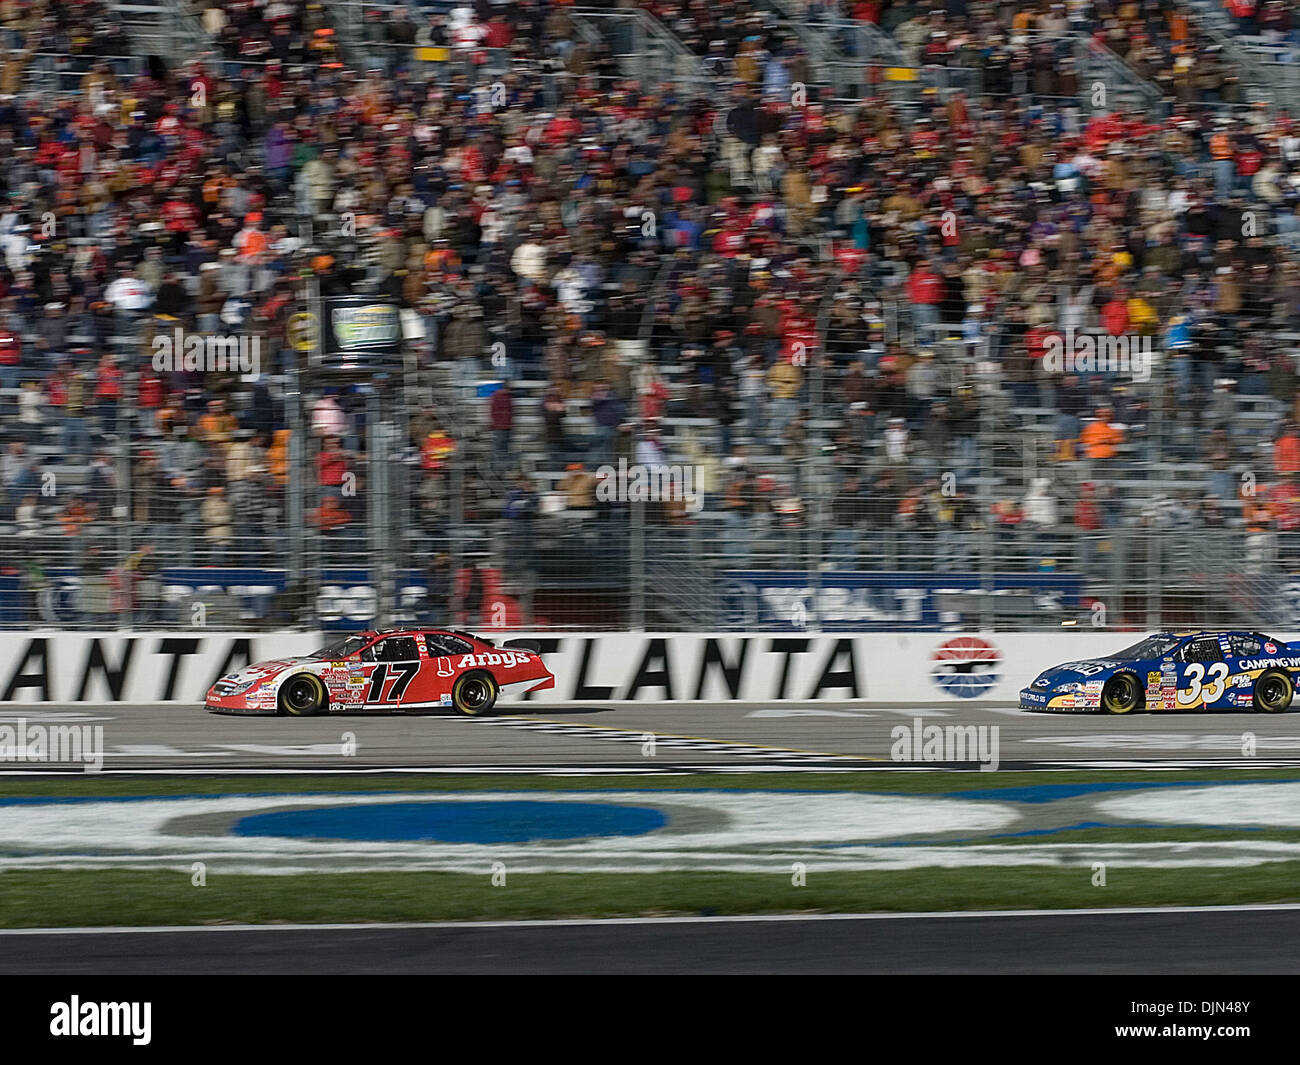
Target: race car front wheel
x,y
1273,692
1121,694
303,695
474,694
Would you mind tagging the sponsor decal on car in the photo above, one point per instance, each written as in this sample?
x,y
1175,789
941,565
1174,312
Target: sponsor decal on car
x,y
1263,663
1271,647
503,658
1088,669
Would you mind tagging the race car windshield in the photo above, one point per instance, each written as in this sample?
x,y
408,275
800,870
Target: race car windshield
x,y
352,645
1151,647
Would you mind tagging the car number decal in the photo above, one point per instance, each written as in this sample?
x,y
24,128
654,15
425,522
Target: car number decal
x,y
405,673
1211,692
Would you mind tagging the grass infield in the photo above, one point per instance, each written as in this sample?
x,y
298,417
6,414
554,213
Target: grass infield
x,y
151,897
54,898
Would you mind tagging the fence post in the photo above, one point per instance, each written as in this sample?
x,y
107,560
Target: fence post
x,y
295,516
127,406
377,505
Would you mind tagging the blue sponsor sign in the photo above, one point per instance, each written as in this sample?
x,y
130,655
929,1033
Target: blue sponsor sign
x,y
771,600
346,599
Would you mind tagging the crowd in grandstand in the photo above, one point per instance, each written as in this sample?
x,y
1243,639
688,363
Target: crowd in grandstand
x,y
729,277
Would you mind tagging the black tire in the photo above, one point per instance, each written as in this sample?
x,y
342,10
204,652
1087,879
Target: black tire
x,y
303,695
1274,691
1122,694
474,694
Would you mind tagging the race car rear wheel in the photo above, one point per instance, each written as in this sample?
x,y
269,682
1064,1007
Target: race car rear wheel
x,y
474,694
1121,694
1273,691
303,695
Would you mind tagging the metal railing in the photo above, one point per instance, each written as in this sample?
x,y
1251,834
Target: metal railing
x,y
642,46
115,519
858,59
167,28
1264,71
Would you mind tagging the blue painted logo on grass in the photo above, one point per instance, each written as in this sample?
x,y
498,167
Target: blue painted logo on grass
x,y
508,821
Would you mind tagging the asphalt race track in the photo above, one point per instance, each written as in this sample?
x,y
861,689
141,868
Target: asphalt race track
x,y
1219,941
660,736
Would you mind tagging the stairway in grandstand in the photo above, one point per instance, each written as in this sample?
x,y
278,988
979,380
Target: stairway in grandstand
x,y
1269,71
463,414
644,48
1097,64
839,49
164,28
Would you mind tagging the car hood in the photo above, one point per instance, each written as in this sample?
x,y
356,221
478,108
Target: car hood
x,y
264,670
1071,671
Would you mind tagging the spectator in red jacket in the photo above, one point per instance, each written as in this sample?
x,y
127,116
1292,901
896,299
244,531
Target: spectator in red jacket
x,y
1286,450
11,356
332,467
925,290
1114,315
501,417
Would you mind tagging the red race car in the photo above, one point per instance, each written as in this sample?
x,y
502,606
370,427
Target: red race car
x,y
396,669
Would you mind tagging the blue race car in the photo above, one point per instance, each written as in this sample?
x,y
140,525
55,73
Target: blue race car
x,y
1176,671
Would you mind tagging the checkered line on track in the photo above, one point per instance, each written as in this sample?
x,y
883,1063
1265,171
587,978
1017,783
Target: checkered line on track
x,y
669,743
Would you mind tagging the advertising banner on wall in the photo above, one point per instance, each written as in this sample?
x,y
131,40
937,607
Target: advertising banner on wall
x,y
888,668
757,601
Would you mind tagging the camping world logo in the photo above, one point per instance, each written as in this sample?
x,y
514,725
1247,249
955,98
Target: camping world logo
x,y
966,666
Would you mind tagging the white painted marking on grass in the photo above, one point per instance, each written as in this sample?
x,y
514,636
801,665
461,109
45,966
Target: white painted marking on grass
x,y
736,829
1257,804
